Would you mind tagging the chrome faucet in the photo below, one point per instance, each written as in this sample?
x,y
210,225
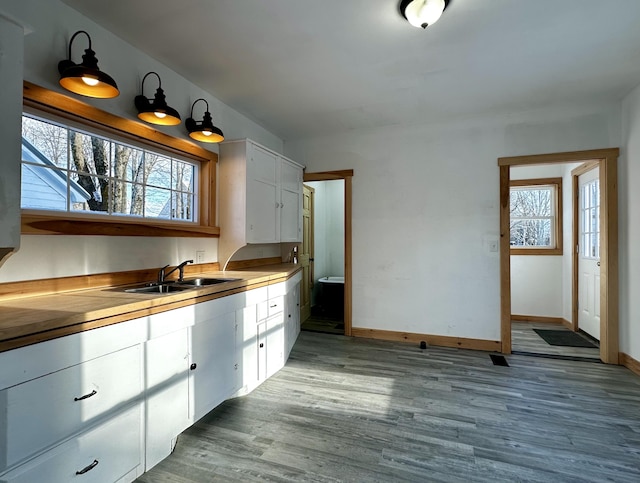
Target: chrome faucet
x,y
162,275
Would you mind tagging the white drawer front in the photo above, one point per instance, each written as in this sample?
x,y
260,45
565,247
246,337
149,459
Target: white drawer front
x,y
105,454
41,412
276,305
277,289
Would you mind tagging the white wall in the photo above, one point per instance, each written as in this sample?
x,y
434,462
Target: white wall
x,y
52,24
425,206
629,233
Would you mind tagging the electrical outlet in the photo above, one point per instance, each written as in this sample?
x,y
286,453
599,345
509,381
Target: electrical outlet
x,y
200,256
493,246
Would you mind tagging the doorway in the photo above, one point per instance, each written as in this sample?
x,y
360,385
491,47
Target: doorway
x,y
606,162
346,287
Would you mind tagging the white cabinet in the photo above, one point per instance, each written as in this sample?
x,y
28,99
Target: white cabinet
x,y
57,424
11,68
292,318
167,393
212,377
260,197
105,454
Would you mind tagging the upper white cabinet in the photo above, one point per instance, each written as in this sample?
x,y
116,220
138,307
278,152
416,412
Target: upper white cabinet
x,y
11,59
260,197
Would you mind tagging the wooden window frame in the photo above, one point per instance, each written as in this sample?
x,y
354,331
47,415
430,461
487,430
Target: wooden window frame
x,y
554,250
36,222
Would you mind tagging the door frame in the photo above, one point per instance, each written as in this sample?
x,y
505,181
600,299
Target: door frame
x,y
346,175
607,161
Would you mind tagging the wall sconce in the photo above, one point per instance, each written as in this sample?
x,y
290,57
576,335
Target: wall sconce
x,y
422,13
203,131
86,78
156,111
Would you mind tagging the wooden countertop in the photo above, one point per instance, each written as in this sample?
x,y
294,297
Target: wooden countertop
x,y
28,320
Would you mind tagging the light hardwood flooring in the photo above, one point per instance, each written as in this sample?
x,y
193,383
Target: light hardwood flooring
x,y
357,410
524,339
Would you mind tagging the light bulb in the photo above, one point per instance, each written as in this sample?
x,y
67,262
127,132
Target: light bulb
x,y
160,115
207,133
90,81
421,13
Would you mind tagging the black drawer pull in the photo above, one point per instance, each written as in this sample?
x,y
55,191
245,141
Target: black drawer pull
x,y
261,345
86,396
272,306
193,366
88,468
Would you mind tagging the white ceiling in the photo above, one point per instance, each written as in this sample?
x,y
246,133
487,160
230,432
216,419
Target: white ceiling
x,y
302,67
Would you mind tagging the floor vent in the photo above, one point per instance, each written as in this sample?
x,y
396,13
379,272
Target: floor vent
x,y
498,360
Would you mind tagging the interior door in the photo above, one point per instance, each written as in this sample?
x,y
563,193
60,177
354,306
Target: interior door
x,y
306,254
589,253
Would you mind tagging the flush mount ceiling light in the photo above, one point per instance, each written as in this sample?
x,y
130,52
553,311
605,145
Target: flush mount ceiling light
x,y
86,78
203,131
422,13
156,111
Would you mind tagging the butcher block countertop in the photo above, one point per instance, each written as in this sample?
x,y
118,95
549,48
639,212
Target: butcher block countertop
x,y
28,320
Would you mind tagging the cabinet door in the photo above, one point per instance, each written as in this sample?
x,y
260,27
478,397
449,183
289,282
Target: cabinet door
x,y
263,197
292,320
275,344
262,351
212,375
290,202
247,348
167,393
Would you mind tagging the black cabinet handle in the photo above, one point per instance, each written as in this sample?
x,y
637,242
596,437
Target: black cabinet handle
x,y
193,366
289,315
261,345
272,306
86,396
88,468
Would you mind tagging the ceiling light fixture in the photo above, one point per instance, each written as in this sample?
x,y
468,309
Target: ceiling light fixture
x,y
156,111
203,131
422,13
86,78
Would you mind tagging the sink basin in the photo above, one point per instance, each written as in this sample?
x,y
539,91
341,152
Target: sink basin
x,y
156,289
203,282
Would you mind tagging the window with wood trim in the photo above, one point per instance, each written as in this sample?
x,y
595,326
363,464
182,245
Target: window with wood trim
x,y
535,207
88,172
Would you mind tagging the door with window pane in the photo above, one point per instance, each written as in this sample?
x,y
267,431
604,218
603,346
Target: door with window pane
x,y
589,254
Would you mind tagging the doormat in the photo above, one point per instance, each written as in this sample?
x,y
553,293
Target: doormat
x,y
566,338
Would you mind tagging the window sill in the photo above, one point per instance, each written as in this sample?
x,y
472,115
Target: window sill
x,y
536,251
35,223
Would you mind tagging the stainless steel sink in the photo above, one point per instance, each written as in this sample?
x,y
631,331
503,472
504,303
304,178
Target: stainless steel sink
x,y
165,288
203,282
175,286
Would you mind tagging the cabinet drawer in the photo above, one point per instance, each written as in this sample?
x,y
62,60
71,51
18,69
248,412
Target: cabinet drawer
x,y
41,412
276,305
106,453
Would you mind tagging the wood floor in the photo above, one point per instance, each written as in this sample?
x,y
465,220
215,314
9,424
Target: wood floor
x,y
524,339
348,409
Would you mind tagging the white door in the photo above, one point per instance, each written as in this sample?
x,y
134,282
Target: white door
x,y
589,254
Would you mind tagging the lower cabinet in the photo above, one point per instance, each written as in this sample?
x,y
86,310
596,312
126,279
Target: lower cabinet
x,y
106,454
108,404
212,376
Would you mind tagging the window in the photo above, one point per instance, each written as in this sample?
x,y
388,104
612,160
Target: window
x,y
590,220
536,216
88,172
71,170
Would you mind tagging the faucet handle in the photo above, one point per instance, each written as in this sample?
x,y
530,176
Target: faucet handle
x,y
161,274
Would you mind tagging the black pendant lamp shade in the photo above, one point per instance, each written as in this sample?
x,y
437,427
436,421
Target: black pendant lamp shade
x,y
86,78
203,131
156,111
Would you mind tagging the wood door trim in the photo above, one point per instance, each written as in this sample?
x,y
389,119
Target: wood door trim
x,y
346,175
607,160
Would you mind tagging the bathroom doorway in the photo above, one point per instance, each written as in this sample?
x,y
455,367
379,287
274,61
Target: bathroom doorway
x,y
329,273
